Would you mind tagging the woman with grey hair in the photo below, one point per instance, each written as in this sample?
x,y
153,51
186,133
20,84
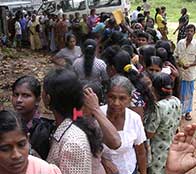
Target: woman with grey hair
x,y
129,126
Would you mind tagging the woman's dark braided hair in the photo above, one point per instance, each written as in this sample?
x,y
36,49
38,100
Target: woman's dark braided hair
x,y
89,55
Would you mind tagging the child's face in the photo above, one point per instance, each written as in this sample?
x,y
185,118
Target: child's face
x,y
153,69
141,41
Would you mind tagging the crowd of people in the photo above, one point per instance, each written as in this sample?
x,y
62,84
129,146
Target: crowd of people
x,y
117,94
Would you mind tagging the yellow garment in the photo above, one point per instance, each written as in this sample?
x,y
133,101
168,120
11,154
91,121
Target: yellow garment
x,y
159,21
84,27
34,37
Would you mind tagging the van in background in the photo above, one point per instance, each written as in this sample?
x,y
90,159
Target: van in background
x,y
83,6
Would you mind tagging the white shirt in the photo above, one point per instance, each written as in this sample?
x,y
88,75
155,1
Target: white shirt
x,y
134,15
186,55
18,28
132,134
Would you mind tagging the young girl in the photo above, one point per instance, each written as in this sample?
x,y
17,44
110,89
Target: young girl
x,y
14,149
74,143
26,92
161,126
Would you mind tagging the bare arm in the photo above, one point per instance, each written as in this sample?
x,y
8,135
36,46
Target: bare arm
x,y
141,158
110,135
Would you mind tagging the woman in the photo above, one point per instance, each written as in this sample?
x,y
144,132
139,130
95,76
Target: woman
x,y
183,22
111,137
68,54
161,23
161,127
129,126
14,149
92,19
89,67
34,28
74,142
26,92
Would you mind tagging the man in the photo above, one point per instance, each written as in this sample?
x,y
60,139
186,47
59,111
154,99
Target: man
x,y
134,15
186,58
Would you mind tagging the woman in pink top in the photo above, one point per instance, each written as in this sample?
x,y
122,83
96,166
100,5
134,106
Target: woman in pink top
x,y
14,149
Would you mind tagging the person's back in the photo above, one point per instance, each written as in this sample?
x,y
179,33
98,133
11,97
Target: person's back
x,y
168,116
162,125
89,67
135,13
70,149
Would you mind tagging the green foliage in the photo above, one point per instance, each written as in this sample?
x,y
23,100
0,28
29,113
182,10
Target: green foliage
x,y
172,7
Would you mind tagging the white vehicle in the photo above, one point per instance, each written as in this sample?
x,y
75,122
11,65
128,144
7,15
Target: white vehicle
x,y
14,6
15,3
84,6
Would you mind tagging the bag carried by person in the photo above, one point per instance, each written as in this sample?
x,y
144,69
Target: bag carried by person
x,y
40,135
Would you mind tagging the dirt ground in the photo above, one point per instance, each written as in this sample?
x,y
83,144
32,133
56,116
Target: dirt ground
x,y
15,64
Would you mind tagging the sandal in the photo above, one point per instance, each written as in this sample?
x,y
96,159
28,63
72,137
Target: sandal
x,y
188,117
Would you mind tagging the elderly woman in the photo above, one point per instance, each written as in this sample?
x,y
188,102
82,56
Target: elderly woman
x,y
129,125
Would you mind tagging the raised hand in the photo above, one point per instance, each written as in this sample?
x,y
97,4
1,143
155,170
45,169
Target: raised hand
x,y
181,156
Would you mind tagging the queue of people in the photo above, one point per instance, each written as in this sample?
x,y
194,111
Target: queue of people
x,y
117,99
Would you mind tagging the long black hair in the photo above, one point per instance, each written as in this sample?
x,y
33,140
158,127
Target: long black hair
x,y
64,89
137,79
66,93
163,85
89,49
157,12
93,133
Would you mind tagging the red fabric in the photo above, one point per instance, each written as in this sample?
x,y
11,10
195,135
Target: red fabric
x,y
77,113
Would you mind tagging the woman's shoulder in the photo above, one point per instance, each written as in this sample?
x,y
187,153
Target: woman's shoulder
x,y
165,104
132,115
39,166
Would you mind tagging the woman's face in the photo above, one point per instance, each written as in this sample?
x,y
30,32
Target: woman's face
x,y
24,100
118,99
153,69
72,43
14,148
